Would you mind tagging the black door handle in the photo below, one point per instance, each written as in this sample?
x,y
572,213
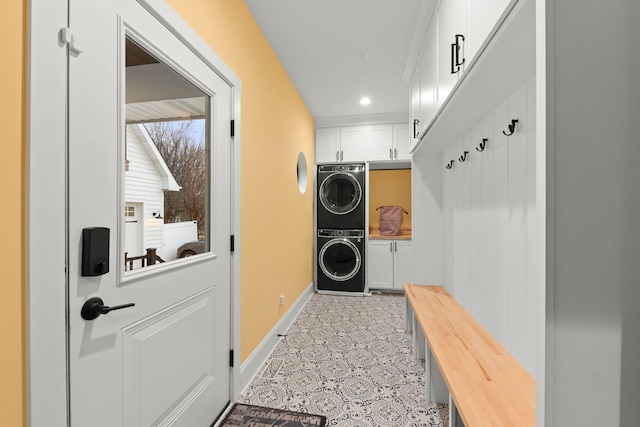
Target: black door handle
x,y
94,307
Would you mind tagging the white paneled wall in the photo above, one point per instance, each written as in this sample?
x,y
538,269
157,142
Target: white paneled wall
x,y
489,219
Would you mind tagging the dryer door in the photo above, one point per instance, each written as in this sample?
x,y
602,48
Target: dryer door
x,y
340,193
340,259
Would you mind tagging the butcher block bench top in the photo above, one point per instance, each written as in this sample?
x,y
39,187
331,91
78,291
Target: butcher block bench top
x,y
489,387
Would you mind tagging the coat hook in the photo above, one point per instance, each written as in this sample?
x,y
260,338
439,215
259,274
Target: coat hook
x,y
482,145
463,158
512,128
449,165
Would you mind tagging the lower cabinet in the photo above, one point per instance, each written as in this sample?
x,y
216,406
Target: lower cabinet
x,y
389,263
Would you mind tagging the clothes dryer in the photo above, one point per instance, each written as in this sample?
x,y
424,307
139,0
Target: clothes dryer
x,y
340,261
341,196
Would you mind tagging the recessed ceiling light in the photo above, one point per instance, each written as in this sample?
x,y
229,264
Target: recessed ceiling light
x,y
365,101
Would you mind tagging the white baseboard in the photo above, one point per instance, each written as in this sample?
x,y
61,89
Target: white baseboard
x,y
251,367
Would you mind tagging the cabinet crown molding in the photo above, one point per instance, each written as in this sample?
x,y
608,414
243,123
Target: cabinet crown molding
x,y
420,33
360,120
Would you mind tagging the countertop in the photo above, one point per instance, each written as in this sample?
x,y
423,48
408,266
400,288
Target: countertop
x,y
375,234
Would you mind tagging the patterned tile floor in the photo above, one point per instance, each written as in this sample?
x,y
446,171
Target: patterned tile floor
x,y
348,358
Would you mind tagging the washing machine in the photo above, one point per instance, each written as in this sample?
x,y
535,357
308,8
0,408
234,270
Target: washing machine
x,y
340,261
341,196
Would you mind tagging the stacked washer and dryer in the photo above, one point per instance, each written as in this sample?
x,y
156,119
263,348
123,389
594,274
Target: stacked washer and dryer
x,y
340,225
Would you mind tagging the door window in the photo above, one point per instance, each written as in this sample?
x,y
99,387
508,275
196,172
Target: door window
x,y
340,193
340,259
167,163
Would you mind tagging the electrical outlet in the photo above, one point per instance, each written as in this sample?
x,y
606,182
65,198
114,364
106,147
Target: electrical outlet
x,y
282,299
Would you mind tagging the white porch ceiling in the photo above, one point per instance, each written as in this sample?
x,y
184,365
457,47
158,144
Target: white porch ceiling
x,y
337,51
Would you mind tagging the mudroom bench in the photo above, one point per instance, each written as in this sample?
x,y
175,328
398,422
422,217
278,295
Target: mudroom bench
x,y
466,367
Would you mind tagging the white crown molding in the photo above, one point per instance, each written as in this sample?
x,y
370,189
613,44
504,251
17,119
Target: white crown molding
x,y
360,120
420,33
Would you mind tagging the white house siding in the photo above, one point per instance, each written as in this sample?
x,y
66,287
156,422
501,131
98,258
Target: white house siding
x,y
143,184
489,219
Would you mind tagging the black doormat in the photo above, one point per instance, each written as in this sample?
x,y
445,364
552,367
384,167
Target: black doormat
x,y
258,416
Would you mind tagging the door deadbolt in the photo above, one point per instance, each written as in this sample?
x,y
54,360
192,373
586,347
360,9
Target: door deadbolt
x,y
94,307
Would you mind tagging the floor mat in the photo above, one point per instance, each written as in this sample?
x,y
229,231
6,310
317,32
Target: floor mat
x,y
259,416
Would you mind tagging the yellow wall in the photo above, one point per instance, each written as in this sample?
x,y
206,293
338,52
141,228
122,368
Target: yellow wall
x,y
389,187
12,212
276,220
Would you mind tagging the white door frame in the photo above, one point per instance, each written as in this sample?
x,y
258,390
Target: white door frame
x,y
47,370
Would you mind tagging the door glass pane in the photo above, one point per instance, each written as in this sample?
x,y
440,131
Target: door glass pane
x,y
340,193
339,261
166,166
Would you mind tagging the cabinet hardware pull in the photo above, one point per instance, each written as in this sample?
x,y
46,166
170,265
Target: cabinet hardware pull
x,y
463,158
337,156
480,148
395,153
416,132
395,246
455,54
450,164
512,128
390,154
390,246
341,155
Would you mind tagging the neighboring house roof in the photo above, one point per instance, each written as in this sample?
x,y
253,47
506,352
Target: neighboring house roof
x,y
166,177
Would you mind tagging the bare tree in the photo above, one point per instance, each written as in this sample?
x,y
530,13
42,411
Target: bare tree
x,y
185,155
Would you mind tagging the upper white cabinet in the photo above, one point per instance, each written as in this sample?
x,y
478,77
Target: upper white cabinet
x,y
428,81
353,144
452,21
483,16
327,145
424,88
341,144
414,108
450,45
401,142
387,142
380,144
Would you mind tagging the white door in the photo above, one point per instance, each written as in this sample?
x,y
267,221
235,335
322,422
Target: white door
x,y
380,264
401,142
327,145
352,144
164,361
379,144
403,263
133,229
452,20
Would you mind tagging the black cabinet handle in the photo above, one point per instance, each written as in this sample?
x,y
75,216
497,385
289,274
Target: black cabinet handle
x,y
94,307
416,122
455,54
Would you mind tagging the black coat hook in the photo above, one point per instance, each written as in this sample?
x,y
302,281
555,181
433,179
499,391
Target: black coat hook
x,y
512,128
482,145
449,165
463,158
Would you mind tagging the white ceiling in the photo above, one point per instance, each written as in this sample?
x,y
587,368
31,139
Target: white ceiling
x,y
337,51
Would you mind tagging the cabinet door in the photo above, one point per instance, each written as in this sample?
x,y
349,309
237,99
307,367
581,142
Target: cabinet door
x,y
380,143
401,142
403,262
428,82
483,16
327,145
452,20
414,113
380,264
353,144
